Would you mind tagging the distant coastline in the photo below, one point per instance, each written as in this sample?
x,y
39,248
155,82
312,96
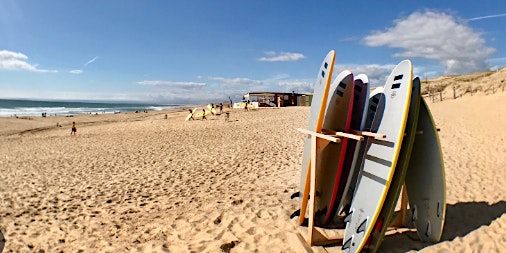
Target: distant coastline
x,y
22,107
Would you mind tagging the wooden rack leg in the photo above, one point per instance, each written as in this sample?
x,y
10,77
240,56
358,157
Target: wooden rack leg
x,y
400,220
312,190
314,236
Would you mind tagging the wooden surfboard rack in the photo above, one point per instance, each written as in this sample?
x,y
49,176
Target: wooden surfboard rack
x,y
334,237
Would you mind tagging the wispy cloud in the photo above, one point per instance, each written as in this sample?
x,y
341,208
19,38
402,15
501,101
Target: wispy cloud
x,y
185,85
436,36
18,61
91,61
487,17
350,38
281,56
235,81
76,71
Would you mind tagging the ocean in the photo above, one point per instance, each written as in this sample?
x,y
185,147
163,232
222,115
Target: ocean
x,y
13,107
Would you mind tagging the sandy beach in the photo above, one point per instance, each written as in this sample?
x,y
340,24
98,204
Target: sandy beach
x,y
137,182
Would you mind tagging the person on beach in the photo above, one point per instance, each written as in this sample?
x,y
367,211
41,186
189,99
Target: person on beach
x,y
191,112
221,108
74,129
204,114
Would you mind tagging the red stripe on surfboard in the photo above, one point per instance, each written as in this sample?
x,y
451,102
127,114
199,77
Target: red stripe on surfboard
x,y
356,121
342,154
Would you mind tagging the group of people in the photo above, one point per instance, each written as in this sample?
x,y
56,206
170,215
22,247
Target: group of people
x,y
212,110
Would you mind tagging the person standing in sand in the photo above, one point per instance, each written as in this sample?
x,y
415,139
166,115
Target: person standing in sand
x,y
191,112
74,129
204,114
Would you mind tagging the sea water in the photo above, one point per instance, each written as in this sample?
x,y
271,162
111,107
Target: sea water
x,y
11,107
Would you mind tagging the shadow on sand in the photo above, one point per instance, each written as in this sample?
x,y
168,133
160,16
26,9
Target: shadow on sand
x,y
461,219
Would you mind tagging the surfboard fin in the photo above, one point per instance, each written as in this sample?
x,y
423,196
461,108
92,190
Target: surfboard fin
x,y
346,209
439,209
428,232
348,217
414,213
295,195
295,214
347,244
361,227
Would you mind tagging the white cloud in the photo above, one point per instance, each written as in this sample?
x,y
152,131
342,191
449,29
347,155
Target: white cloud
x,y
18,61
184,85
282,56
298,86
376,73
76,71
436,36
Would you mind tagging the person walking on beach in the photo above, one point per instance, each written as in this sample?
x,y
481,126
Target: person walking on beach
x,y
74,129
191,112
204,114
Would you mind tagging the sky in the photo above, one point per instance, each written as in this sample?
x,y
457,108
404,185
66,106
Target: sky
x,y
182,52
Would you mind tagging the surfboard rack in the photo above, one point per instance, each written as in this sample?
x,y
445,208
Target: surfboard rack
x,y
318,142
334,237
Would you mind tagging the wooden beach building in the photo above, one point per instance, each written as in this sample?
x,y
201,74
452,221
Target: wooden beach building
x,y
279,99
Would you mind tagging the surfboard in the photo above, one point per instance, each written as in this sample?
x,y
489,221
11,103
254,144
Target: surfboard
x,y
190,114
211,109
315,122
425,179
329,166
202,114
385,216
360,101
380,159
375,104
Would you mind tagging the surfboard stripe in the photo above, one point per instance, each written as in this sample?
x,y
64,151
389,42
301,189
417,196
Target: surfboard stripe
x,y
375,178
379,160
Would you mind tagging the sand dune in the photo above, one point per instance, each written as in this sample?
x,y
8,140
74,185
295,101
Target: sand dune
x,y
142,183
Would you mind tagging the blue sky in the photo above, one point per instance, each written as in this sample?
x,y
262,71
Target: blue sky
x,y
204,51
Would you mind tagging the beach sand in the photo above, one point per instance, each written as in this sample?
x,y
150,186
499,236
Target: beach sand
x,y
141,183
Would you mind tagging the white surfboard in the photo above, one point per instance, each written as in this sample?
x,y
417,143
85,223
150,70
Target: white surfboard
x,y
425,180
380,159
387,211
316,113
331,159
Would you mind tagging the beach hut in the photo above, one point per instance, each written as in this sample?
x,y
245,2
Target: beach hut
x,y
279,99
